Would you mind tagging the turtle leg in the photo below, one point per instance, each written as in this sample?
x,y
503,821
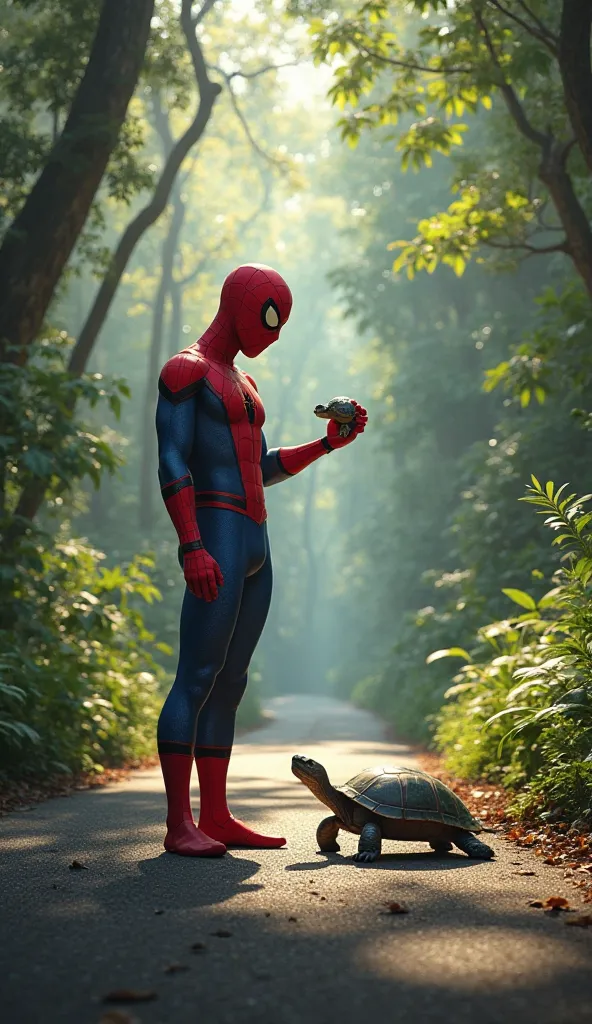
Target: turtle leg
x,y
440,846
472,846
370,843
327,834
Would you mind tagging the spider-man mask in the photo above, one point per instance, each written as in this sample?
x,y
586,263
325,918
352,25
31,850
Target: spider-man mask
x,y
258,301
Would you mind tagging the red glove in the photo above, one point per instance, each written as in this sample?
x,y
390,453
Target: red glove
x,y
202,573
359,424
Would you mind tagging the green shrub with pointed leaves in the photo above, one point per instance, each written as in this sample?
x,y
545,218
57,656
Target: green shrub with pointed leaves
x,y
79,687
521,706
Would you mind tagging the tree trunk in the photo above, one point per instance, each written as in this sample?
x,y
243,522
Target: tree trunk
x,y
148,439
576,71
38,244
209,91
576,225
32,496
176,318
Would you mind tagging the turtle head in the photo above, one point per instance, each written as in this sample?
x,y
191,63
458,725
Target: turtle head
x,y
312,774
321,411
315,777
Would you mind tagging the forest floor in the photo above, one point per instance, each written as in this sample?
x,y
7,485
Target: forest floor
x,y
556,843
277,936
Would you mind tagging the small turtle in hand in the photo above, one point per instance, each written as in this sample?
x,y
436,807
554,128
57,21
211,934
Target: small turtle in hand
x,y
391,803
341,410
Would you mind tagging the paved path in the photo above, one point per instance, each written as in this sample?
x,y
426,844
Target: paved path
x,y
469,950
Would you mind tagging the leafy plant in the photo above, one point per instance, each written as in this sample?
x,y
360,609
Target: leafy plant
x,y
533,672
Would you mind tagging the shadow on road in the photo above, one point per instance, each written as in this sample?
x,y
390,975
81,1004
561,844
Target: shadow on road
x,y
391,862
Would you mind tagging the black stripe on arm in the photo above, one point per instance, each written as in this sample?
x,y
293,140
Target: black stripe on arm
x,y
325,443
176,397
169,489
191,545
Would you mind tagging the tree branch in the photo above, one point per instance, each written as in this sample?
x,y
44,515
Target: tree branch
x,y
532,250
274,161
261,71
515,108
543,36
538,21
199,17
208,93
411,66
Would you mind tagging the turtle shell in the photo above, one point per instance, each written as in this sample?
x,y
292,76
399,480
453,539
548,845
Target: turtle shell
x,y
342,407
408,794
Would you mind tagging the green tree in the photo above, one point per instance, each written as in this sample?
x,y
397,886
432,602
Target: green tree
x,y
38,244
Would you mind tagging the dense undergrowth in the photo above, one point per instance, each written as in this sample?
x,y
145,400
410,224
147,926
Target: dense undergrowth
x,y
79,686
520,708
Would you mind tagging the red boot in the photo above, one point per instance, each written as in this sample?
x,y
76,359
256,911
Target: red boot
x,y
183,836
215,818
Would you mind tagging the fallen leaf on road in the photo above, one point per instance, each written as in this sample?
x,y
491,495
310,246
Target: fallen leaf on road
x,y
292,919
397,908
77,865
222,934
323,898
267,913
582,921
198,947
175,968
524,872
313,892
554,903
130,995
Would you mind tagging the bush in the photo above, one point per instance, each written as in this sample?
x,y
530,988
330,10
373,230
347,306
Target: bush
x,y
521,707
79,688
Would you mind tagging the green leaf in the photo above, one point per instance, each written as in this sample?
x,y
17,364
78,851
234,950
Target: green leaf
x,y
520,597
507,711
452,691
448,652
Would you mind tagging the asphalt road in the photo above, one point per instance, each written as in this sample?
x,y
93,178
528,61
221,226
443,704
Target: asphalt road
x,y
304,937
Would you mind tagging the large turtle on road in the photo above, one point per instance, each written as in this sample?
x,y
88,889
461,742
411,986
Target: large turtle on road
x,y
391,803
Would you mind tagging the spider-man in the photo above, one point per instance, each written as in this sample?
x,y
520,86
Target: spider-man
x,y
213,466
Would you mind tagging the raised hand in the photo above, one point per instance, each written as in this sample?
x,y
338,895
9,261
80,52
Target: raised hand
x,y
202,574
359,424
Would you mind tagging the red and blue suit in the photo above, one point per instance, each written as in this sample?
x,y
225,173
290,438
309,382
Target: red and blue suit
x,y
213,467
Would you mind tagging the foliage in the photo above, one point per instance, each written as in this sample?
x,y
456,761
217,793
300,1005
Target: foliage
x,y
522,705
40,434
439,64
78,685
36,93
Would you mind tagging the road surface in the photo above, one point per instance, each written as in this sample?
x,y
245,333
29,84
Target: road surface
x,y
304,937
